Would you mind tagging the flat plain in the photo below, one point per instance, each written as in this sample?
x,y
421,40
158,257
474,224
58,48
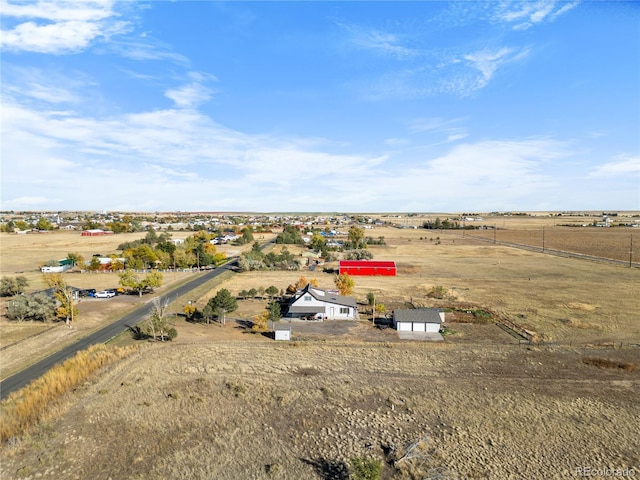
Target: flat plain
x,y
221,402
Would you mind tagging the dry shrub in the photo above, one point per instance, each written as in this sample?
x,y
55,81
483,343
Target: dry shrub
x,y
606,363
27,406
439,292
577,323
406,269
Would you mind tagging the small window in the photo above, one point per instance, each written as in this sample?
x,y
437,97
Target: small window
x,y
344,311
307,298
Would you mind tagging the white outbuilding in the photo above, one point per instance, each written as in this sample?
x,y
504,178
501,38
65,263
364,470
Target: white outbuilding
x,y
282,332
427,320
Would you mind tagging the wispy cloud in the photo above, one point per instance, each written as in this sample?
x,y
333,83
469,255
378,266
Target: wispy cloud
x,y
58,27
378,41
622,165
449,128
524,15
144,48
193,93
488,174
458,74
50,87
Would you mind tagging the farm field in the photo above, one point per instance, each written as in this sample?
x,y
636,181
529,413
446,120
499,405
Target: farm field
x,y
613,243
257,409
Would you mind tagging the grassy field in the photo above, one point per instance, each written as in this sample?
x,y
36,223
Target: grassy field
x,y
220,402
260,410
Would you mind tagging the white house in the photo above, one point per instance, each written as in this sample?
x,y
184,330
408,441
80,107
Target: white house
x,y
321,304
427,320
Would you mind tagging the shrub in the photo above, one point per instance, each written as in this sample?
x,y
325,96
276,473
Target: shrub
x,y
364,468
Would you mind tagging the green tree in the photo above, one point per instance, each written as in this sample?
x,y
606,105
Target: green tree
x,y
38,307
272,291
371,298
247,235
356,238
10,286
44,224
142,256
223,301
94,264
75,259
22,225
274,312
131,280
18,308
317,242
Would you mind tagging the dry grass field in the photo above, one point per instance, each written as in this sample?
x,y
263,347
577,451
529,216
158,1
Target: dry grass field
x,y
220,402
260,410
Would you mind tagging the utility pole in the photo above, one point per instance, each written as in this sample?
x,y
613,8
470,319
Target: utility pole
x,y
494,233
542,239
630,250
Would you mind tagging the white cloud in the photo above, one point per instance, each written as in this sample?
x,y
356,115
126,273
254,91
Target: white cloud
x,y
58,26
381,42
526,14
176,158
488,61
143,49
190,95
396,142
623,165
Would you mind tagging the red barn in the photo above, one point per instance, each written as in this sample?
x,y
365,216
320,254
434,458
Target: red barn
x,y
368,267
95,233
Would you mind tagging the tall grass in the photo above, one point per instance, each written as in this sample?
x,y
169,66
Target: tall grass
x,y
27,406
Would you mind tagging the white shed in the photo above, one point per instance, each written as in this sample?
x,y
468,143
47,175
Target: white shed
x,y
427,320
282,332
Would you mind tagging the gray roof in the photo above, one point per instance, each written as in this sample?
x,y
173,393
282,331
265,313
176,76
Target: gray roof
x,y
418,315
306,310
329,297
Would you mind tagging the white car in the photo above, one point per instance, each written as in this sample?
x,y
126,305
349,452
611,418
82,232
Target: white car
x,y
105,294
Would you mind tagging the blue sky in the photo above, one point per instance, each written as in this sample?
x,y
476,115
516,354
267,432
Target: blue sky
x,y
320,106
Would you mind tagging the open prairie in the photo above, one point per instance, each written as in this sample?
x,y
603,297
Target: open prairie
x,y
253,410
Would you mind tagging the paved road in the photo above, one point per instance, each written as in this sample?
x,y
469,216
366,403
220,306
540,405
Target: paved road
x,y
20,379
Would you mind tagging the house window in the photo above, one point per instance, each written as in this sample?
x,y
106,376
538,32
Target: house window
x,y
307,298
344,311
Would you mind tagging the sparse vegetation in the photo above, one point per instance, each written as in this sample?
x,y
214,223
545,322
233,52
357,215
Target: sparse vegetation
x,y
610,364
27,406
365,468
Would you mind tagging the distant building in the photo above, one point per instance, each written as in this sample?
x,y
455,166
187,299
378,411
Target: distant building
x,y
368,267
95,232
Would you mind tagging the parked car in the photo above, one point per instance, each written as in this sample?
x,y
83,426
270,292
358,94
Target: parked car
x,y
105,294
89,292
